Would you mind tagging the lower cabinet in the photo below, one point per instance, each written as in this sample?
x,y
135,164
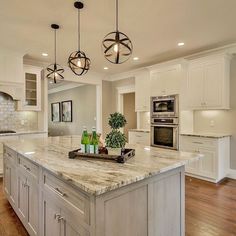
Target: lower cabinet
x,y
214,164
28,202
56,221
136,137
10,181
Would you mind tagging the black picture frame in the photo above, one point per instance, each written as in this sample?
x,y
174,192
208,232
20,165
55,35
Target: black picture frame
x,y
56,112
67,111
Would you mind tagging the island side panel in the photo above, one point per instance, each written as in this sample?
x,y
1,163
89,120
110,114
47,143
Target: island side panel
x,y
153,207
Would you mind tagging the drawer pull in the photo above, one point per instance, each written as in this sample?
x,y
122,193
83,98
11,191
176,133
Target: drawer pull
x,y
27,168
59,192
58,217
198,142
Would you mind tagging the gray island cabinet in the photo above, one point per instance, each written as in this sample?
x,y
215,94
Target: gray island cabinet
x,y
56,196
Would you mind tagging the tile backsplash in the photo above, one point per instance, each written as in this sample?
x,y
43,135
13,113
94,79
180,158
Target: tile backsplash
x,y
10,119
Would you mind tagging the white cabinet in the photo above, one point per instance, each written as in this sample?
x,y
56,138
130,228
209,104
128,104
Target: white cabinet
x,y
142,91
28,201
51,214
166,80
10,181
136,137
11,68
208,83
214,164
32,89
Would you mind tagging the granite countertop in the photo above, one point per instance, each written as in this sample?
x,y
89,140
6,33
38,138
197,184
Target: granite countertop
x,y
140,130
207,135
93,176
24,132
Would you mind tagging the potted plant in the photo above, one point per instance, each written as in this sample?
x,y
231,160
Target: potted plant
x,y
116,140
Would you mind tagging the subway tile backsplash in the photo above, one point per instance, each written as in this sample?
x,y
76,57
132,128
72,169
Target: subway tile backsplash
x,y
10,119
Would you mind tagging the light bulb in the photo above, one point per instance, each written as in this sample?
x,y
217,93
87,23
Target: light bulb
x,y
79,64
116,47
56,74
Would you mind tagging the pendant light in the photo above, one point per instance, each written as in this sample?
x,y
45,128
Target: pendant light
x,y
116,45
78,62
54,70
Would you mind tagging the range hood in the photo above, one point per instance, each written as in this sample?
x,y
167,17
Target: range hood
x,y
13,89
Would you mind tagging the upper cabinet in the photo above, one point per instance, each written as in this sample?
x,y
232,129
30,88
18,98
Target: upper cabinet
x,y
142,91
11,68
208,83
166,80
32,89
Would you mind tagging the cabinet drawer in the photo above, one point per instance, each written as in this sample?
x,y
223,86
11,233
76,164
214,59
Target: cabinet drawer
x,y
29,167
10,155
199,142
139,138
77,203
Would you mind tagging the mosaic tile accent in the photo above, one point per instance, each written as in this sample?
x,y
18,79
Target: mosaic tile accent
x,y
11,119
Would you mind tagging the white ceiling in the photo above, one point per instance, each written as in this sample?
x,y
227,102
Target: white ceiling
x,y
154,26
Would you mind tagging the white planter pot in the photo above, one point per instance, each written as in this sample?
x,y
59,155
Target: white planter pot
x,y
114,151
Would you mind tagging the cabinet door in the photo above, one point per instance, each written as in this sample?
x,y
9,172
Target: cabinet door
x,y
22,196
51,224
142,91
70,227
10,181
213,85
196,76
32,98
33,205
7,178
166,81
207,165
192,167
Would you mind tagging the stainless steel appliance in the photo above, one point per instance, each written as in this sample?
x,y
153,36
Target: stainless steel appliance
x,y
165,106
165,133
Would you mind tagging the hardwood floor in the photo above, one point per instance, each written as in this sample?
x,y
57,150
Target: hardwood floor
x,y
210,210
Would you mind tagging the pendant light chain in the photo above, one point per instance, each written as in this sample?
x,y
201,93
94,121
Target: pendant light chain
x,y
117,17
55,46
78,30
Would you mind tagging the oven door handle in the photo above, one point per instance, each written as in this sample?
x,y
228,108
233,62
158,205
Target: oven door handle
x,y
165,125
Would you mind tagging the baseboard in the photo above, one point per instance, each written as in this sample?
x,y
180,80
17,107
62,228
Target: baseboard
x,y
231,174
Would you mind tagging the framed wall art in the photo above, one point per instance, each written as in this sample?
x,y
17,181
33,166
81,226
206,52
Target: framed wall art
x,y
56,112
66,111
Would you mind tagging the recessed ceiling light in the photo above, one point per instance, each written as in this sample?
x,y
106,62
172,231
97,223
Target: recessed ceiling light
x,y
105,68
181,44
44,54
135,58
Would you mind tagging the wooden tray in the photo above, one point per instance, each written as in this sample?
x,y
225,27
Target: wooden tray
x,y
126,155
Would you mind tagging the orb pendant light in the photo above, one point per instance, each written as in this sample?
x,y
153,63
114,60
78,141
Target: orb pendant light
x,y
55,71
116,45
78,62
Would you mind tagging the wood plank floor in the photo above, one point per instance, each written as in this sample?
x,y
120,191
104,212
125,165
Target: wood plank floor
x,y
210,210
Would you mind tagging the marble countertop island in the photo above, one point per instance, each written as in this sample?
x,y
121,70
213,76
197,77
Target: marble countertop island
x,y
93,176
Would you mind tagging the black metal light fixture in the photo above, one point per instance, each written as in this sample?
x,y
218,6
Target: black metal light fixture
x,y
116,45
78,62
54,70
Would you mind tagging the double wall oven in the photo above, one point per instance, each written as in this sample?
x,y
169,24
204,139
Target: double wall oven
x,y
165,122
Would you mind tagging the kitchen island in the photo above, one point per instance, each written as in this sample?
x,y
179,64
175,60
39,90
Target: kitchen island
x,y
55,195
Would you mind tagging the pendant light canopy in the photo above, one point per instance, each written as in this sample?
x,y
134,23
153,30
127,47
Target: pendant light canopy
x,y
116,45
55,71
78,62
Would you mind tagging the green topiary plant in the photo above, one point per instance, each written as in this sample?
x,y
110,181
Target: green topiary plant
x,y
116,139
